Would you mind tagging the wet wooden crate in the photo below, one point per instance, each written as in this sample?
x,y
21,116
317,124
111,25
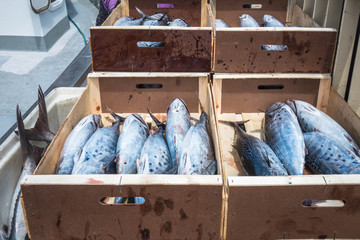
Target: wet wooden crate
x,y
239,50
176,206
186,49
272,207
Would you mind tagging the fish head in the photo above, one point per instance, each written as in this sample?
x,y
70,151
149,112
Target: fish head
x,y
245,17
292,104
178,105
267,18
301,106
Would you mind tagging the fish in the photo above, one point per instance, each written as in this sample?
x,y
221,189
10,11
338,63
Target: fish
x,y
158,19
178,22
177,125
220,24
134,22
41,130
312,119
327,156
99,152
284,136
31,156
130,143
150,44
247,21
155,156
197,155
123,19
257,158
274,47
270,21
76,140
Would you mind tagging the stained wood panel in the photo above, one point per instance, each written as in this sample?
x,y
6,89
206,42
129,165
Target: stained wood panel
x,y
185,49
309,50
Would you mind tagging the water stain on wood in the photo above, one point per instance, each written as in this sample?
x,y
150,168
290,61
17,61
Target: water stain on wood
x,y
159,206
183,215
166,228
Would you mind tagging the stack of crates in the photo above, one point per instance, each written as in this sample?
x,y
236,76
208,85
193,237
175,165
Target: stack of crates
x,y
235,79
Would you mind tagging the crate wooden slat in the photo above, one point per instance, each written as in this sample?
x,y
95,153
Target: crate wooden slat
x,y
185,50
238,50
175,206
272,206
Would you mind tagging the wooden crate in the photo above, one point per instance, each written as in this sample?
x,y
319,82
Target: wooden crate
x,y
186,49
238,50
271,207
176,206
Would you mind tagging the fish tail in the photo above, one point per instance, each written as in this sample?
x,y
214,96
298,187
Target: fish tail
x,y
117,117
157,122
41,130
24,142
234,122
143,14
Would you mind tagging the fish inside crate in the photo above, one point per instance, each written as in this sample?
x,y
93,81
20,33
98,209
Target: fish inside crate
x,y
170,205
290,206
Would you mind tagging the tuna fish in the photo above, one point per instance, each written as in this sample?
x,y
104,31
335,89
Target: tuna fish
x,y
178,22
150,44
155,156
177,125
41,130
158,19
31,155
312,119
130,143
220,24
284,136
122,20
326,156
75,142
270,21
197,155
99,152
257,157
248,21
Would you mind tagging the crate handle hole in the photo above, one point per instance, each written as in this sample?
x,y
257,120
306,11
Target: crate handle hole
x,y
165,5
271,47
122,201
323,203
149,85
253,6
150,44
270,87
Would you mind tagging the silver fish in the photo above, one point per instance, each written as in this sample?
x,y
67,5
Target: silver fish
x,y
257,157
177,125
178,22
270,21
284,136
326,156
75,142
220,24
197,155
31,155
130,143
158,19
150,44
122,20
248,21
41,130
312,119
99,152
155,156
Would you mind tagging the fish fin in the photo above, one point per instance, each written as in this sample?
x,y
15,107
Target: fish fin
x,y
115,116
157,122
109,167
195,119
141,12
24,142
356,151
239,124
138,117
211,168
260,110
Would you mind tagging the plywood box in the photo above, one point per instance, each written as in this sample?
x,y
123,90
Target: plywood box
x,y
239,50
272,207
186,49
176,207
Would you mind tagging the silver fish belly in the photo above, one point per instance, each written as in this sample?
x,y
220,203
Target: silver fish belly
x,y
130,143
220,24
75,142
197,155
284,136
311,119
177,125
326,156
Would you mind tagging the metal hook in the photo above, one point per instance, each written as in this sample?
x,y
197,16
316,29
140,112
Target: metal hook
x,y
325,183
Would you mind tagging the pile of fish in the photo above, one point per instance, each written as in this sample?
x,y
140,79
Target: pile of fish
x,y
247,21
31,156
158,19
296,134
186,149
